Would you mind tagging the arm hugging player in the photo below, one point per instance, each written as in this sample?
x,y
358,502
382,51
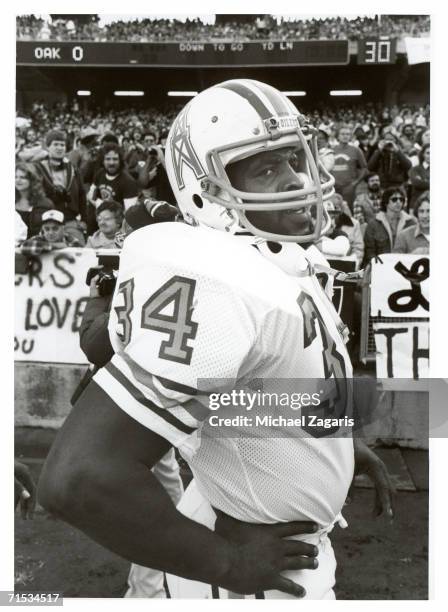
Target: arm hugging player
x,y
226,298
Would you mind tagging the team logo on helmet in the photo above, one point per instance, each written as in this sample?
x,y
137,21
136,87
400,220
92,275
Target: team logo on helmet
x,y
182,151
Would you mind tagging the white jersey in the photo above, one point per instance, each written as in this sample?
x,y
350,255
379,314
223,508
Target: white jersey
x,y
197,311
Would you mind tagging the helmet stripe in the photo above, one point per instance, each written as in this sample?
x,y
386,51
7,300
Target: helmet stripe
x,y
275,98
250,96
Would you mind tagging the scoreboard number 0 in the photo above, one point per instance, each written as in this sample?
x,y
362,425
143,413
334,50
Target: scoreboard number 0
x,y
78,53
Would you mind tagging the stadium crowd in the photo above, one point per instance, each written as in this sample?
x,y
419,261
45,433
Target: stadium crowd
x,y
79,172
31,27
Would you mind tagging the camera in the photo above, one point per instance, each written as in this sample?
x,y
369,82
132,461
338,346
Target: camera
x,y
106,269
61,194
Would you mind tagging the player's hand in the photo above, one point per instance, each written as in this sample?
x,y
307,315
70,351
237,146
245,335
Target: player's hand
x,y
24,490
367,462
263,552
160,210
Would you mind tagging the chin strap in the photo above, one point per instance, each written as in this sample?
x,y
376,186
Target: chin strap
x,y
338,275
341,276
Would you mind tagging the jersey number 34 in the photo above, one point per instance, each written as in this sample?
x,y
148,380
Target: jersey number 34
x,y
179,326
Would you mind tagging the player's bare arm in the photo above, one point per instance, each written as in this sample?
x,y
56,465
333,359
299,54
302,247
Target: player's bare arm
x,y
97,477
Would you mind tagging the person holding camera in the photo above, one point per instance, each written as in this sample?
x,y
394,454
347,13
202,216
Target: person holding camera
x,y
390,162
63,185
109,216
138,151
152,176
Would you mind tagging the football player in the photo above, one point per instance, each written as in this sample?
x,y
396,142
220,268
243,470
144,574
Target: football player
x,y
199,311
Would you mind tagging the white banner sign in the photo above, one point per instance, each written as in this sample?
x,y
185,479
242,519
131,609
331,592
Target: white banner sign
x,y
418,49
402,350
49,303
400,286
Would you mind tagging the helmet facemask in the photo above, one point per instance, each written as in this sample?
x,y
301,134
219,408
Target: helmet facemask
x,y
217,187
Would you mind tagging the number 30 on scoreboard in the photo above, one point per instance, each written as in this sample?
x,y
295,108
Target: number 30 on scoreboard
x,y
378,51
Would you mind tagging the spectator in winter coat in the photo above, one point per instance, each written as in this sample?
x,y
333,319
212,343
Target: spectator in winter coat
x,y
63,184
381,232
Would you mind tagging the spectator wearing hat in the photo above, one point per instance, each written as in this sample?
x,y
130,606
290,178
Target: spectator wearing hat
x,y
419,175
109,216
416,239
63,184
31,201
390,162
381,232
53,235
84,156
349,165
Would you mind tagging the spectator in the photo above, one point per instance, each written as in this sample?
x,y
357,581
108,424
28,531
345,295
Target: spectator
x,y
83,157
30,27
53,235
373,193
109,138
112,181
416,239
349,165
364,142
419,175
138,152
343,224
381,232
390,162
31,149
30,198
63,185
408,140
153,178
363,213
109,216
326,153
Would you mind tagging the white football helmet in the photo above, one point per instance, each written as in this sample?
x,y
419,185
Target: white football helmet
x,y
232,121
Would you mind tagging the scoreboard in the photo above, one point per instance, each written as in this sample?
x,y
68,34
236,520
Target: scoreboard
x,y
183,54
